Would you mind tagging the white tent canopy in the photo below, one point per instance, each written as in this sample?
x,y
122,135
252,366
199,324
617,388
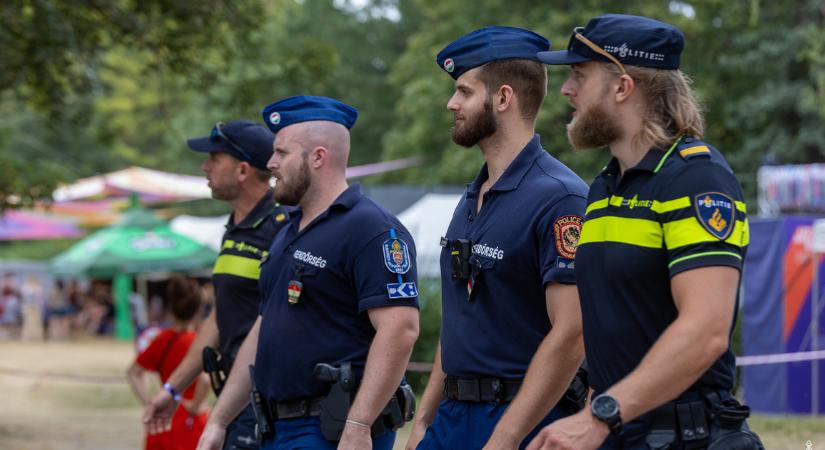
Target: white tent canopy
x,y
206,230
427,220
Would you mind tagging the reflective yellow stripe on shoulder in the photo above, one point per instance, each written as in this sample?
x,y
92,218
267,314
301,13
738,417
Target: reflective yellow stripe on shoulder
x,y
238,266
680,233
684,153
640,232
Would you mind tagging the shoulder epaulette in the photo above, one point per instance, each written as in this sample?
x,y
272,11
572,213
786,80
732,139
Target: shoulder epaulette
x,y
691,148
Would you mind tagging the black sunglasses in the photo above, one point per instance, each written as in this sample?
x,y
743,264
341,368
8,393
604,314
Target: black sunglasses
x,y
217,133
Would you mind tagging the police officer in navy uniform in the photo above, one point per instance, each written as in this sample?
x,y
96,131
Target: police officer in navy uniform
x,y
511,328
338,287
236,172
660,256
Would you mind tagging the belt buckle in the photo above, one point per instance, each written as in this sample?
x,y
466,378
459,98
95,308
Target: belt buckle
x,y
304,405
469,390
498,391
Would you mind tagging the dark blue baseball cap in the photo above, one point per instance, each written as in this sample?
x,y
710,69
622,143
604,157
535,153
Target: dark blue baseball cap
x,y
490,44
245,140
630,40
305,108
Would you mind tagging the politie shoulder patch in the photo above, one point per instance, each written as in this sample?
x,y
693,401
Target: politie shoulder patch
x,y
715,211
566,232
396,256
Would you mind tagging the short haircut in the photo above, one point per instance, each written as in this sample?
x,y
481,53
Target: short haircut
x,y
527,78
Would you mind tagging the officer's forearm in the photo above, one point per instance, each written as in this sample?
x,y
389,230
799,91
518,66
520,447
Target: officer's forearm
x,y
235,395
192,364
552,368
705,298
387,359
433,393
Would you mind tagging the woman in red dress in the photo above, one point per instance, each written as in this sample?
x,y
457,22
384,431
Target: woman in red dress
x,y
162,356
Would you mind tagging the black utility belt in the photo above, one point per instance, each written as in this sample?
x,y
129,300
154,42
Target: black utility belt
x,y
709,419
481,389
307,407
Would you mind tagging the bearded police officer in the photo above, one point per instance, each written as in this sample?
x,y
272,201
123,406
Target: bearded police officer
x,y
511,327
339,299
237,173
661,250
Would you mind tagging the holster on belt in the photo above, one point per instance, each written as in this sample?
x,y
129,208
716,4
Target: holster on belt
x,y
334,408
575,397
216,366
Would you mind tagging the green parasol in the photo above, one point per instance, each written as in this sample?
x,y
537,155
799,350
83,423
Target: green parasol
x,y
137,243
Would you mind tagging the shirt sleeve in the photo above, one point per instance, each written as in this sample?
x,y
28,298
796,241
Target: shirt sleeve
x,y
558,236
704,219
385,273
148,358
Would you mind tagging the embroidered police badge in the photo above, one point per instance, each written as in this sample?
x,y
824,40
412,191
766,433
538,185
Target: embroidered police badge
x,y
715,211
566,233
396,256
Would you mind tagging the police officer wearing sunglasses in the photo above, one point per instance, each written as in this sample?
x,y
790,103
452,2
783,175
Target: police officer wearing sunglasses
x,y
660,256
236,172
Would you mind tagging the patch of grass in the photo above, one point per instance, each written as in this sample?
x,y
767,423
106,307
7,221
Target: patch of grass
x,y
789,431
90,397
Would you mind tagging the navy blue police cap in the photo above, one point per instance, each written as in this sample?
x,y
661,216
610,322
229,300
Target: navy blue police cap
x,y
305,108
490,44
632,40
245,140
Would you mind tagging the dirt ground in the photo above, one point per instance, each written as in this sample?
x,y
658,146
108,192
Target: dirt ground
x,y
72,396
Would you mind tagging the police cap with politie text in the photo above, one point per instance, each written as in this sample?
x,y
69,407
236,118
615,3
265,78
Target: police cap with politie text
x,y
306,108
245,140
630,40
490,44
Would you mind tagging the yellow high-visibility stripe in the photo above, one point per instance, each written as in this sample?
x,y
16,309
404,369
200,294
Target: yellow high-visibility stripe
x,y
641,232
238,266
598,204
741,207
701,255
670,205
680,233
694,150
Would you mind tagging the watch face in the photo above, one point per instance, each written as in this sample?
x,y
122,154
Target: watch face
x,y
605,406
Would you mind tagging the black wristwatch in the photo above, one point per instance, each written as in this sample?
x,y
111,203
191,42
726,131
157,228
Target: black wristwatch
x,y
606,408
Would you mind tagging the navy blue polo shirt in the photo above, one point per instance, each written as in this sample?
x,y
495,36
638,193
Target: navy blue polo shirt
x,y
676,210
523,238
347,261
236,271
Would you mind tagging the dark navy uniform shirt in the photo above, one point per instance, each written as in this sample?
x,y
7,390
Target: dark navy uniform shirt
x,y
523,238
340,259
235,275
676,210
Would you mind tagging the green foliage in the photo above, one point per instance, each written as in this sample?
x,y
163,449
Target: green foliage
x,y
429,290
87,87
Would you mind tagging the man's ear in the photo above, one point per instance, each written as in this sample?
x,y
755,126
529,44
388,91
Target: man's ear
x,y
244,170
625,88
503,99
318,156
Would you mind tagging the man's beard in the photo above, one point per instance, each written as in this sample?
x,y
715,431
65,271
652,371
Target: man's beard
x,y
291,193
226,193
476,128
593,128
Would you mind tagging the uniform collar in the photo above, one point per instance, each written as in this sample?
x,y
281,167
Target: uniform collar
x,y
515,172
349,197
653,160
262,209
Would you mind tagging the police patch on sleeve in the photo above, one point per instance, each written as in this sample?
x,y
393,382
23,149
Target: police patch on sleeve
x,y
402,290
715,211
566,233
396,256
